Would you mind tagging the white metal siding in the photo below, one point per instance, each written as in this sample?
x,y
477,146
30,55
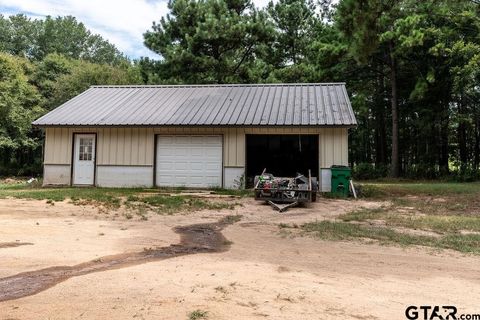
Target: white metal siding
x,y
190,161
56,174
124,176
232,177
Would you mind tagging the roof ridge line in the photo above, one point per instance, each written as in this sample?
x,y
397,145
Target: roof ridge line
x,y
220,85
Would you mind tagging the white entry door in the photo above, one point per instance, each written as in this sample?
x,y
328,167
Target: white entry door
x,y
189,161
84,159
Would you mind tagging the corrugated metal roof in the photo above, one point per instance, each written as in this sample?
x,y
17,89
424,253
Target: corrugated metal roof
x,y
322,104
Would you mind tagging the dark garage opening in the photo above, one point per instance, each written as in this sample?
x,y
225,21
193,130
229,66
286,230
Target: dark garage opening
x,y
282,155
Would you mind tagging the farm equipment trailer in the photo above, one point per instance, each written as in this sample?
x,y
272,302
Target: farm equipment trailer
x,y
283,193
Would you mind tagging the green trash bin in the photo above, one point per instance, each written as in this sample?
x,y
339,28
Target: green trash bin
x,y
341,176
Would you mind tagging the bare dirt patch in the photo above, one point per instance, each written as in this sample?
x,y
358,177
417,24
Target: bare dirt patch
x,y
261,276
200,238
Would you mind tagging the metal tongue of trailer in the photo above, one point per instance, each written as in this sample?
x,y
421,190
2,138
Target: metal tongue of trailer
x,y
283,193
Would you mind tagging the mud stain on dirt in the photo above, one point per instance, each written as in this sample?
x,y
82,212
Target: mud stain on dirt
x,y
198,238
14,244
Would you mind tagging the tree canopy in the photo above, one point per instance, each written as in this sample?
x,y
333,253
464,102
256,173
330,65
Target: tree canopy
x,y
35,39
209,41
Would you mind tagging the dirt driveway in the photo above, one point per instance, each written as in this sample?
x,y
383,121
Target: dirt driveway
x,y
260,275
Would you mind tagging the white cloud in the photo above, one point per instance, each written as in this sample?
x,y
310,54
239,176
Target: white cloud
x,y
122,22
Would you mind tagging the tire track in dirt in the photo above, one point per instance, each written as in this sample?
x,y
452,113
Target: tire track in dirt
x,y
198,238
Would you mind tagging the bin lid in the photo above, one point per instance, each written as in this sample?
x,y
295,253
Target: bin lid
x,y
338,167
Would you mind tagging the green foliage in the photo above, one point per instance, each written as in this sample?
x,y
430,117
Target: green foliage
x,y
467,174
36,38
436,48
295,21
47,73
367,171
20,104
59,78
422,171
209,41
82,75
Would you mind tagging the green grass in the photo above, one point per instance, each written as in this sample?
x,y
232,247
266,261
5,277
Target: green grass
x,y
328,230
436,223
390,189
198,314
15,186
137,199
110,197
170,204
364,214
450,210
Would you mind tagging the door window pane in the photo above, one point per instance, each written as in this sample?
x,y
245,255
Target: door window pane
x,y
85,152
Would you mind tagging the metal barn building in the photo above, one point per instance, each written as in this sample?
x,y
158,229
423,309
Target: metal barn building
x,y
195,135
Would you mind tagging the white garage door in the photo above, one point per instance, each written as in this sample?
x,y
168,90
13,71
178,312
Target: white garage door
x,y
190,161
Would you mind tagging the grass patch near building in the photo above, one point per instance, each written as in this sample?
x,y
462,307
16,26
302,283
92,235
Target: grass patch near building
x,y
140,200
432,214
427,188
392,216
334,230
168,204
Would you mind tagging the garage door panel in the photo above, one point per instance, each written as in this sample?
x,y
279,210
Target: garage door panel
x,y
197,152
181,166
168,140
198,140
181,140
191,161
180,151
196,165
165,166
210,167
196,180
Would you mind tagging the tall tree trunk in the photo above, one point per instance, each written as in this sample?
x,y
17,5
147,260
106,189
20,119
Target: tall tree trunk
x,y
462,137
380,125
395,164
380,139
476,149
443,160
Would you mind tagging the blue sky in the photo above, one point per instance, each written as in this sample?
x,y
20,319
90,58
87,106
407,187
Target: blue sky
x,y
122,22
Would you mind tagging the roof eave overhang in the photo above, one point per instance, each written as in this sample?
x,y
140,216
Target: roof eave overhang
x,y
196,125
